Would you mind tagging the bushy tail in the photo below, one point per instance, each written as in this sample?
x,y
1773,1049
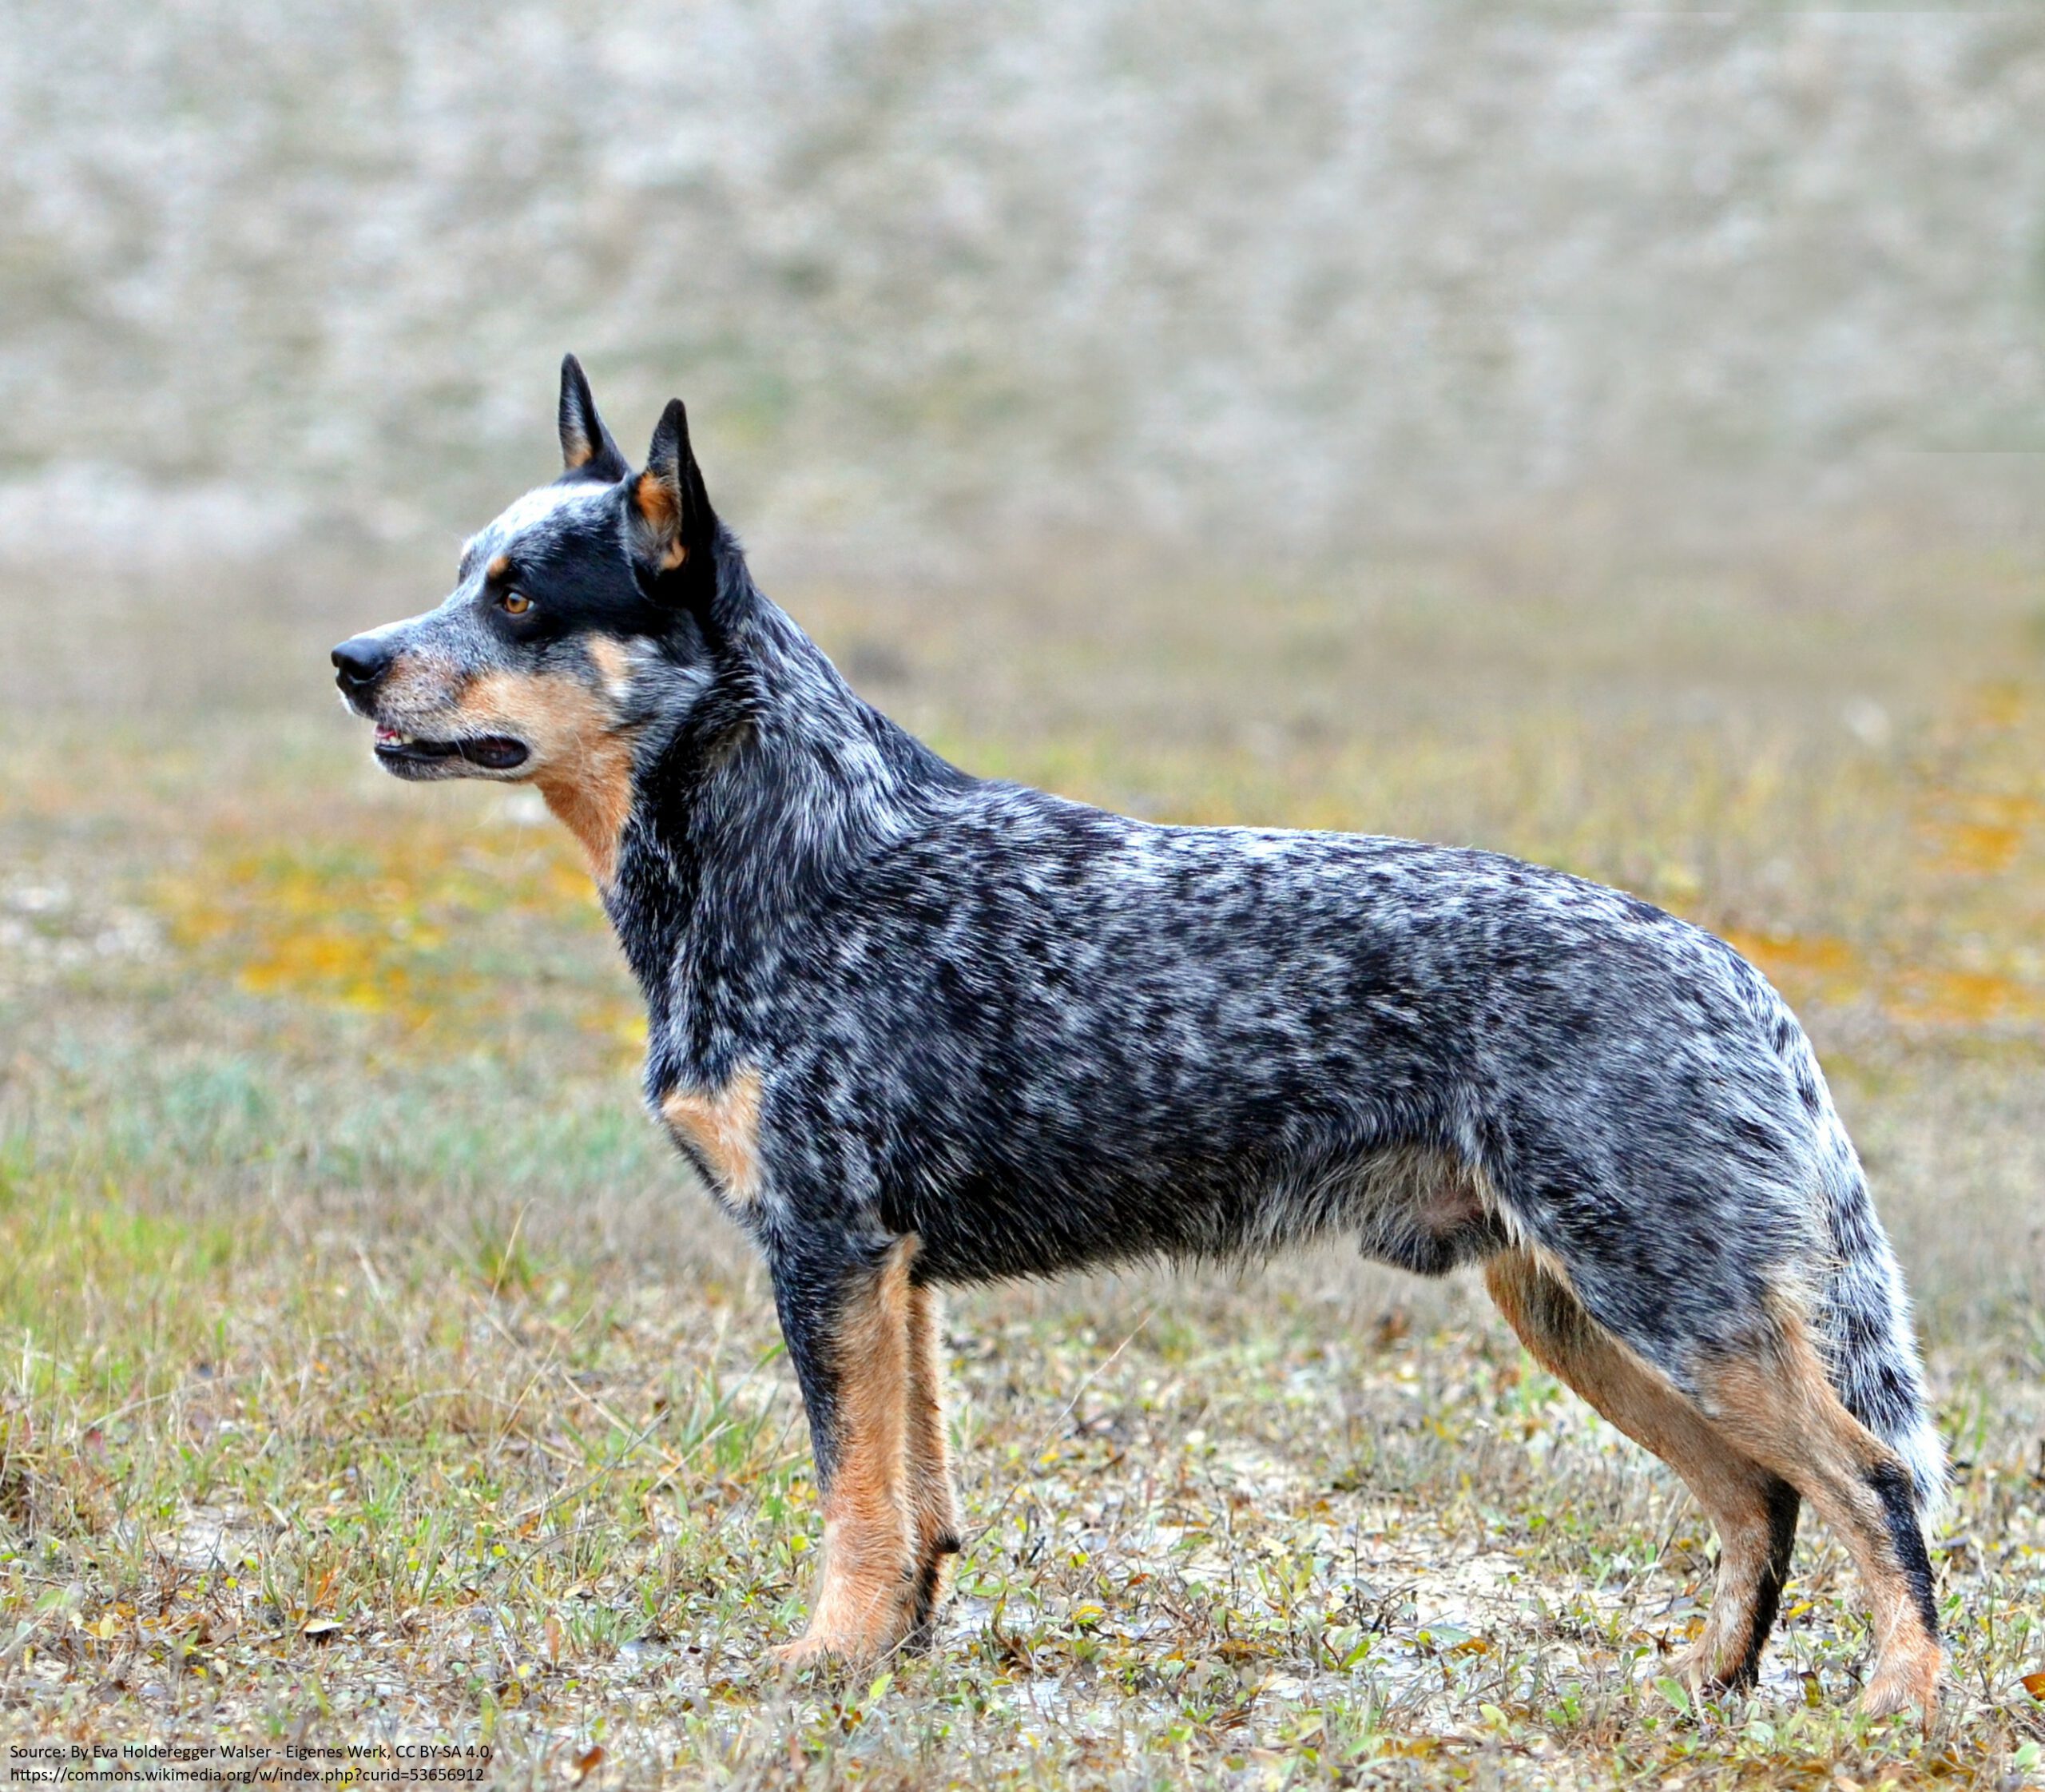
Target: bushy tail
x,y
1873,1349
1864,1313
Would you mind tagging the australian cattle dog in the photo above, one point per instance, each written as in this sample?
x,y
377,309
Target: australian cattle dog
x,y
916,1029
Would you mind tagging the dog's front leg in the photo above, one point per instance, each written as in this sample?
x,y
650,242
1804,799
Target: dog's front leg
x,y
845,1314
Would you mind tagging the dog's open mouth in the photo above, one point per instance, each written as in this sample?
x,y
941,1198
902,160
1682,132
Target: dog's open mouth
x,y
492,752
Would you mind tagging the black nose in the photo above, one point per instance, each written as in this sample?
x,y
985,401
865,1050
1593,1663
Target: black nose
x,y
358,664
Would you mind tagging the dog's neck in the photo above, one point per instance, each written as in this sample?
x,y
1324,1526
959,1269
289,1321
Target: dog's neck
x,y
773,786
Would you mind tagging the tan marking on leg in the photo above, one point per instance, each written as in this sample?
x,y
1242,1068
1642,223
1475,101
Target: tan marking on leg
x,y
933,1499
1778,1405
721,1127
581,759
864,1605
1733,1491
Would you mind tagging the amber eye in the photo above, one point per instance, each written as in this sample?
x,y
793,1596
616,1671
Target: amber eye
x,y
514,603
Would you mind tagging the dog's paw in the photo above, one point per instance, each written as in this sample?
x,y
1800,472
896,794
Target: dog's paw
x,y
1708,1669
1912,1682
829,1648
804,1651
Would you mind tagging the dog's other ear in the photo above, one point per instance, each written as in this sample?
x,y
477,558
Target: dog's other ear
x,y
677,529
587,451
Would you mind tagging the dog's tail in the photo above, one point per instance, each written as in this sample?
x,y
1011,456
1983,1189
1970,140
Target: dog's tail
x,y
1863,1312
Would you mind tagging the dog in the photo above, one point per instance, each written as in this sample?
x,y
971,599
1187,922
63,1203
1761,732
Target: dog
x,y
915,1029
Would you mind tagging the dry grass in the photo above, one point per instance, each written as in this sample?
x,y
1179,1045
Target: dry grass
x,y
369,1373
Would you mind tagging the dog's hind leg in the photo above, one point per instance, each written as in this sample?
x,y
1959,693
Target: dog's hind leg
x,y
1775,1402
1763,1412
846,1322
933,1501
1753,1511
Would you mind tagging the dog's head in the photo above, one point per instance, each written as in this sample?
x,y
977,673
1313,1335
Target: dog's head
x,y
577,619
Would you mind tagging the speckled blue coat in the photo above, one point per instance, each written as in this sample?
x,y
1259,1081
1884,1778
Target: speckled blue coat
x,y
915,1028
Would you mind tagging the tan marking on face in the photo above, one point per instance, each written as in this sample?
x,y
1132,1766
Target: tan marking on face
x,y
722,1127
500,567
614,663
865,1605
582,760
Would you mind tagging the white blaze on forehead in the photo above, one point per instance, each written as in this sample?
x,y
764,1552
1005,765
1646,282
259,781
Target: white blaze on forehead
x,y
535,507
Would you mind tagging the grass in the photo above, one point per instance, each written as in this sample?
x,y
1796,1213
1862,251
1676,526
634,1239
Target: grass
x,y
370,1373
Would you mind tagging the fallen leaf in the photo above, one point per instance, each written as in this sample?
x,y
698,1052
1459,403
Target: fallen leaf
x,y
2035,1685
587,1762
1414,1748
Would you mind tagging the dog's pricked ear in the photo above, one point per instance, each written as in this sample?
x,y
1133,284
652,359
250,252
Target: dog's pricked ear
x,y
587,451
677,528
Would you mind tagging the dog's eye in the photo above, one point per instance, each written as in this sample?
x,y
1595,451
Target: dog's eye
x,y
514,603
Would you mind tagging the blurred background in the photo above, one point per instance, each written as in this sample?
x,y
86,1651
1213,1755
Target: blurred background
x,y
954,289
1615,437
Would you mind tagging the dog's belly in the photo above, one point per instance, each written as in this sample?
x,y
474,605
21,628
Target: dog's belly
x,y
1413,1206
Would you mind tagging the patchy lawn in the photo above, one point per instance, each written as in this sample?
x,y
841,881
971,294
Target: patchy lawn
x,y
370,1374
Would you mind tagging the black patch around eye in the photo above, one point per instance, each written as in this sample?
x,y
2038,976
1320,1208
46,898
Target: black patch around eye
x,y
580,580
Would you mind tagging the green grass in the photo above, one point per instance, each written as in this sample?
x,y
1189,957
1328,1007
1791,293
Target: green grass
x,y
370,1372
